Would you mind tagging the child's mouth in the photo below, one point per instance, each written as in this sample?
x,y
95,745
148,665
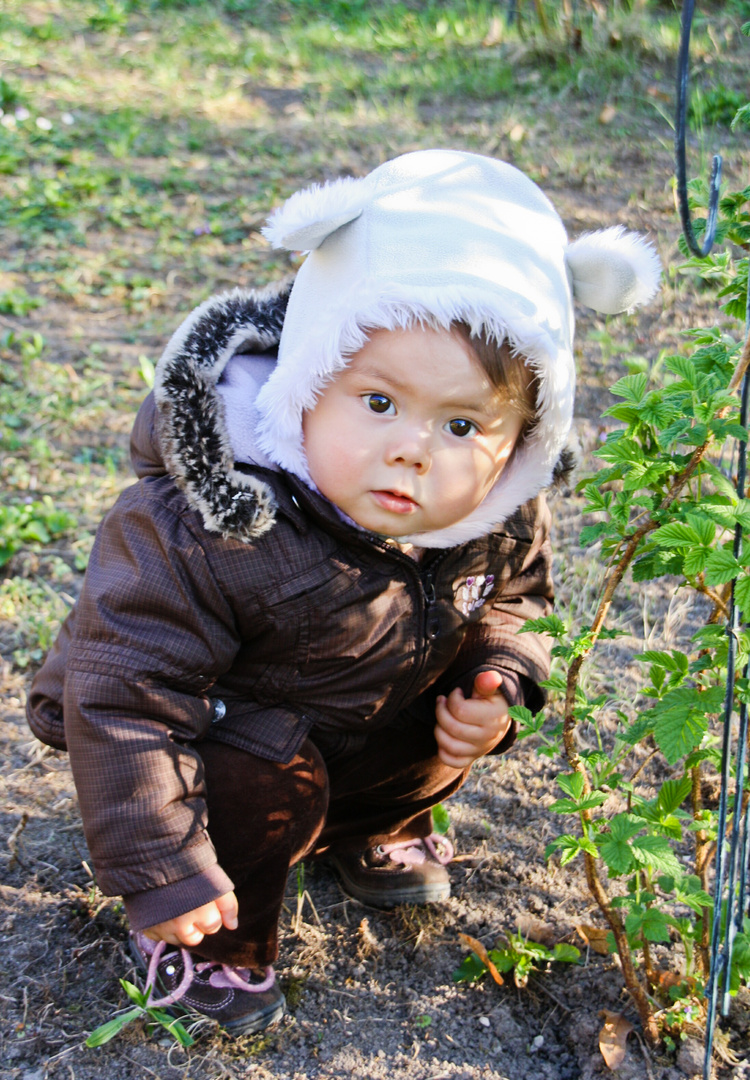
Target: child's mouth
x,y
395,502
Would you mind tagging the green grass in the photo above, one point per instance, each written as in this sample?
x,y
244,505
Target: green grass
x,y
144,142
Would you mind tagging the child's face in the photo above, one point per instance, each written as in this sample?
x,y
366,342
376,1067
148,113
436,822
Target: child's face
x,y
411,436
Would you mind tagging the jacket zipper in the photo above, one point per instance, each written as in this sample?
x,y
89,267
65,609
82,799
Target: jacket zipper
x,y
430,619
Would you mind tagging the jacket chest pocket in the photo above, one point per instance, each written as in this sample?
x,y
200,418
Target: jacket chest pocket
x,y
316,622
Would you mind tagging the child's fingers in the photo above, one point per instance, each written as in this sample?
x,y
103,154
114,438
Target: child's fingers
x,y
460,752
486,684
228,909
454,714
189,936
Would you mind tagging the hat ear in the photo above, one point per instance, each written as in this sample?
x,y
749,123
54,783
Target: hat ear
x,y
309,216
613,270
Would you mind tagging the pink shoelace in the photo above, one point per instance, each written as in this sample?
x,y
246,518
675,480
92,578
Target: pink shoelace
x,y
412,852
223,977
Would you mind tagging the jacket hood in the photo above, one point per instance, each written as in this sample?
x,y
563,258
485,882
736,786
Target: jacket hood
x,y
193,434
203,429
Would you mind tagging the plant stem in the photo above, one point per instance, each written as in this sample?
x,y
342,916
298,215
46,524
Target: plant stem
x,y
702,860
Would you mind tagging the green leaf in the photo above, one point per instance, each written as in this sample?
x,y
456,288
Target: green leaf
x,y
441,822
548,624
655,852
108,1031
589,534
572,784
470,970
742,592
676,534
520,713
567,954
570,846
632,388
589,802
721,566
695,560
673,793
617,854
625,826
672,661
650,922
136,996
173,1026
684,368
680,719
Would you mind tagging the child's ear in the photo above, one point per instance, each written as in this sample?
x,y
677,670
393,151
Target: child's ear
x,y
304,221
613,270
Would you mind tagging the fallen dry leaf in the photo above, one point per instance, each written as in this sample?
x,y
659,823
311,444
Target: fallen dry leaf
x,y
536,930
657,92
613,1038
664,979
478,948
607,115
516,133
595,937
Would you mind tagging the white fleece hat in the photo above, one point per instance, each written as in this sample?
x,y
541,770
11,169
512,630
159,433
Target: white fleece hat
x,y
436,237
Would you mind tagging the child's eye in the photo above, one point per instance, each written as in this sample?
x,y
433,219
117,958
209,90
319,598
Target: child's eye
x,y
461,427
379,403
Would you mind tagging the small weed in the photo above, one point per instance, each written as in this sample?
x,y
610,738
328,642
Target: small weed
x,y
32,611
142,1010
520,956
18,302
294,989
32,522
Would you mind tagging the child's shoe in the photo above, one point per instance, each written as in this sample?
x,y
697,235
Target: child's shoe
x,y
241,1001
407,872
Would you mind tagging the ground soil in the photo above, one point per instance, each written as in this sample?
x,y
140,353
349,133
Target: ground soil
x,y
371,993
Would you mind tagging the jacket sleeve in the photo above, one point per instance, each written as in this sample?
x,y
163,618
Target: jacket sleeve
x,y
493,642
153,632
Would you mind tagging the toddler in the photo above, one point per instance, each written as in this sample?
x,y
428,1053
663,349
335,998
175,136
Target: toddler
x,y
299,628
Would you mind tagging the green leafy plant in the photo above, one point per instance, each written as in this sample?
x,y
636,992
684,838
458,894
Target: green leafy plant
x,y
141,1010
662,504
18,302
519,955
34,522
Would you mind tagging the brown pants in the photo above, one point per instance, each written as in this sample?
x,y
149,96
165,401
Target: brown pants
x,y
263,817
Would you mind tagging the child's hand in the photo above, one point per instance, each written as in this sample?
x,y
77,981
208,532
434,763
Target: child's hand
x,y
466,729
191,928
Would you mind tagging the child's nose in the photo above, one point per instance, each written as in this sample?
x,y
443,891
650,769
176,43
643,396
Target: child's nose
x,y
411,450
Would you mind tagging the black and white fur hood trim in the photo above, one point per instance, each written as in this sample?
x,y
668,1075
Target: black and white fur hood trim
x,y
205,421
192,427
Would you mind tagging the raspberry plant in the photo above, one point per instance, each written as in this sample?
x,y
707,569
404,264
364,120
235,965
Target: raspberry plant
x,y
664,505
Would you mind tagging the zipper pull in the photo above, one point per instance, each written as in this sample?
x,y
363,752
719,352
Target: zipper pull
x,y
428,586
432,621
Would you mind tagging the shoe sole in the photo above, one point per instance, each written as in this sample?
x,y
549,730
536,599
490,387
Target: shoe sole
x,y
263,1019
392,897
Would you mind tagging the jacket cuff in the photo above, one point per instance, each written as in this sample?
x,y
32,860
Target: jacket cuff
x,y
517,689
148,908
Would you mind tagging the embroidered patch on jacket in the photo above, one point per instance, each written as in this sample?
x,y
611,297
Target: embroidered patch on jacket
x,y
473,593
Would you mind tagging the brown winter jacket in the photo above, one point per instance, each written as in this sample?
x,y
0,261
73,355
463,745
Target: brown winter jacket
x,y
232,602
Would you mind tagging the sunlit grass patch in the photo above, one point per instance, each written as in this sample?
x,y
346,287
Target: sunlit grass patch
x,y
32,610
